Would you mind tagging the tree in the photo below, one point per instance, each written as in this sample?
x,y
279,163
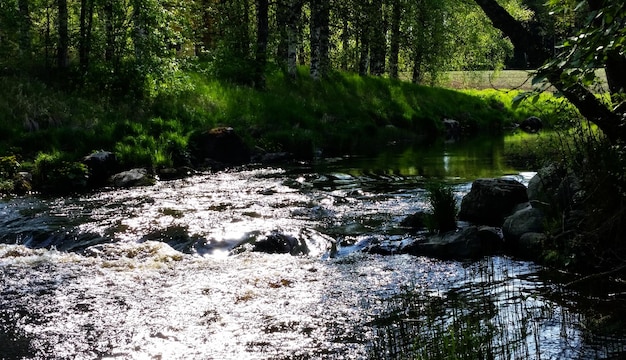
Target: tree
x,y
85,37
292,11
320,35
394,43
64,41
24,27
599,44
262,9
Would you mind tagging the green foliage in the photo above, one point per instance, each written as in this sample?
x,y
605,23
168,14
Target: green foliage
x,y
601,167
54,173
341,114
8,171
8,167
443,207
588,50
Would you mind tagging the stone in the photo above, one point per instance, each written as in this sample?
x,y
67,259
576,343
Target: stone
x,y
415,221
527,220
132,178
491,200
531,125
100,165
453,129
221,145
273,242
530,245
463,244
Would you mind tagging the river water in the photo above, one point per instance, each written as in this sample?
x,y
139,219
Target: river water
x,y
147,273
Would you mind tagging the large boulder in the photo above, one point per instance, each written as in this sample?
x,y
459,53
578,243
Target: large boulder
x,y
555,189
100,166
531,245
491,200
221,145
527,220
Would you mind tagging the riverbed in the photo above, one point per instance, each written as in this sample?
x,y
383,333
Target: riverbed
x,y
148,273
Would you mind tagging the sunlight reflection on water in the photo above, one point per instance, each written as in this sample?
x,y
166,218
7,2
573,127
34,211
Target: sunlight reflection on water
x,y
156,281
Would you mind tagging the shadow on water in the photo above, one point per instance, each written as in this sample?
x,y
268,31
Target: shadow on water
x,y
497,314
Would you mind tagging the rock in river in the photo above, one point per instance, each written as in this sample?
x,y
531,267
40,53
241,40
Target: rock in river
x,y
491,200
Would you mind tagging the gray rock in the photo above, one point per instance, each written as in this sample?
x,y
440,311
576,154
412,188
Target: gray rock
x,y
491,200
555,190
528,220
415,221
462,244
132,178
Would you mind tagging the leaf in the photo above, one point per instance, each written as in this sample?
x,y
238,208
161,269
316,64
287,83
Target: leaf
x,y
535,98
538,79
580,5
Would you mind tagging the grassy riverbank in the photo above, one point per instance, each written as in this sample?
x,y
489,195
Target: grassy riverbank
x,y
345,113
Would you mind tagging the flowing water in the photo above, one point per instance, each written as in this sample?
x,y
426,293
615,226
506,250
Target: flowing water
x,y
147,273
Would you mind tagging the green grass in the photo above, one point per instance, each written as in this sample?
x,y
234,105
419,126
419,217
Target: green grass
x,y
345,113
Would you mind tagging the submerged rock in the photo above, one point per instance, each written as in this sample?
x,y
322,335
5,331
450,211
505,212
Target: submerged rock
x,y
273,242
491,200
415,221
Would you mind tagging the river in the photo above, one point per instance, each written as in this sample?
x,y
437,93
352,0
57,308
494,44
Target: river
x,y
147,273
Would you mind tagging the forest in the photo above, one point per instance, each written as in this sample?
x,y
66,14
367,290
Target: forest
x,y
139,77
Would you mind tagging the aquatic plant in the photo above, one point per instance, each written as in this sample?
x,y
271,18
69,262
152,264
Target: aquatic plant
x,y
443,207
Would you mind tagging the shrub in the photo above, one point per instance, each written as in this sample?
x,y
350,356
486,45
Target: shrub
x,y
55,174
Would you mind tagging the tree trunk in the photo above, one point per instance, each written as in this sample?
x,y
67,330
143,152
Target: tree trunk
x,y
378,45
364,39
615,65
320,37
24,28
517,33
139,30
394,43
345,43
316,34
207,26
86,21
283,8
584,100
615,69
324,24
63,45
262,9
294,13
109,50
417,75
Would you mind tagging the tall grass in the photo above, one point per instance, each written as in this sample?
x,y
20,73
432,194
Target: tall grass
x,y
443,207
